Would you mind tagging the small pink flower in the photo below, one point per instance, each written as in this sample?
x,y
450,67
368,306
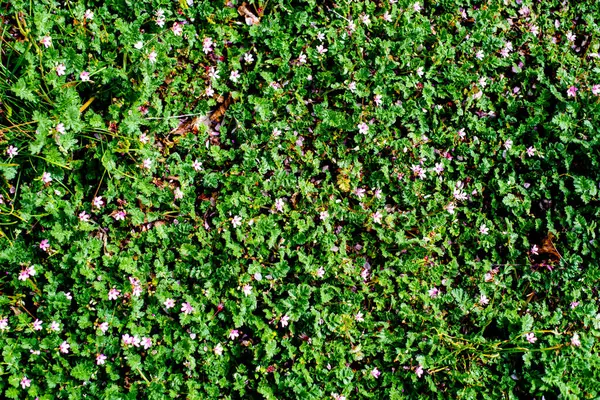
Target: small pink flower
x,y
321,49
152,57
24,275
11,151
359,317
234,76
64,347
84,217
44,245
46,41
434,292
89,15
113,294
363,128
484,230
25,383
207,44
279,205
127,339
284,321
37,325
177,29
378,99
530,337
483,300
530,151
419,371
146,342
147,163
321,272
100,359
60,69
4,324
98,202
169,303
575,340
187,308
375,373
574,304
572,91
104,327
596,89
233,334
197,165
218,349
377,217
84,76
46,177
534,250
55,326
119,216
247,289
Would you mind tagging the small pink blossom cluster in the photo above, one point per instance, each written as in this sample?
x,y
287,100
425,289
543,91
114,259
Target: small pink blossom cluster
x,y
135,341
26,273
137,288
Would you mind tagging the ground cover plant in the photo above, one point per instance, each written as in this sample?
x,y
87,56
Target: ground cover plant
x,y
299,199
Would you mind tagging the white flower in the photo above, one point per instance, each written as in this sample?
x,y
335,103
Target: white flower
x,y
377,217
530,151
139,44
169,303
483,300
484,230
152,57
284,321
387,17
359,317
302,58
248,58
64,347
236,221
321,49
247,289
60,69
218,349
177,29
88,14
178,194
321,272
207,44
508,144
197,165
420,71
46,41
147,163
363,128
98,202
575,340
46,178
417,7
100,359
234,76
279,205
84,76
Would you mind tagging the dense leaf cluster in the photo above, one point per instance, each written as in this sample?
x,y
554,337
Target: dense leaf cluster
x,y
299,199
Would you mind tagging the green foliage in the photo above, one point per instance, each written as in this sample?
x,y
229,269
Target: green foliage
x,y
391,199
